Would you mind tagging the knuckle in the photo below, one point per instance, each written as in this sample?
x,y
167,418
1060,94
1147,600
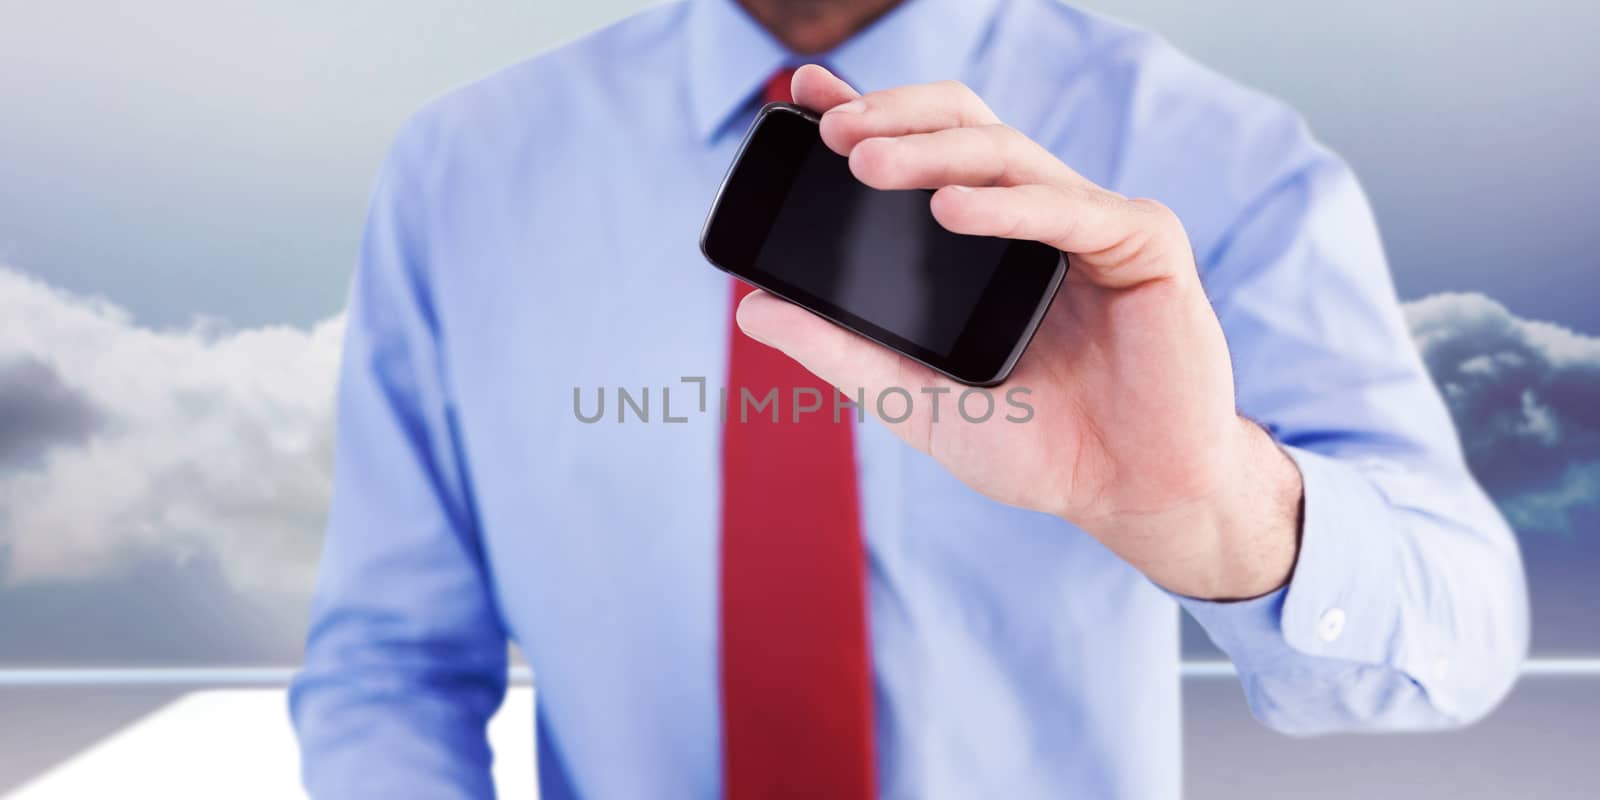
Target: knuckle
x,y
1006,134
1164,219
1005,139
987,153
1152,246
955,87
1155,209
1012,141
973,109
1014,153
1151,206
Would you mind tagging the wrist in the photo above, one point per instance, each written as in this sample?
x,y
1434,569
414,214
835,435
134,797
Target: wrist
x,y
1237,542
1256,522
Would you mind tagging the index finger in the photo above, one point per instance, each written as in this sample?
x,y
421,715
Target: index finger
x,y
921,108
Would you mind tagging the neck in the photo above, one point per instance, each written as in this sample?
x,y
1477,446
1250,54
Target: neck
x,y
808,27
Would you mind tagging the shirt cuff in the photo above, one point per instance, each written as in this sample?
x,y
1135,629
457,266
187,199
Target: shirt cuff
x,y
1345,598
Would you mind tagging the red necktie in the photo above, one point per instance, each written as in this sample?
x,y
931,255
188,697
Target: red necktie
x,y
796,674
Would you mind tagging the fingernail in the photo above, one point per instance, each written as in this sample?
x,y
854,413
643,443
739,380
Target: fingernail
x,y
962,189
852,107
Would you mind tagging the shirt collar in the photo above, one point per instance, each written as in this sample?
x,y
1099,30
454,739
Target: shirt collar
x,y
731,55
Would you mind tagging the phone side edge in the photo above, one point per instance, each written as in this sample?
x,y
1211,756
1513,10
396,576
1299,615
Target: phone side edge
x,y
733,165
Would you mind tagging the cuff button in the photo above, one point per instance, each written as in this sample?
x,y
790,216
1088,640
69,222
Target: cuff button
x,y
1331,624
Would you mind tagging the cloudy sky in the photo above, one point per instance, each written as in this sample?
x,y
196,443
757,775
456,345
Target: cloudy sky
x,y
182,182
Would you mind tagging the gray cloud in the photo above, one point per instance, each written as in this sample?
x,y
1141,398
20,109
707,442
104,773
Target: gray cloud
x,y
38,411
1526,398
210,443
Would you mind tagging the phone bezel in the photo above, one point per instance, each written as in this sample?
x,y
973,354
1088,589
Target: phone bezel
x,y
994,337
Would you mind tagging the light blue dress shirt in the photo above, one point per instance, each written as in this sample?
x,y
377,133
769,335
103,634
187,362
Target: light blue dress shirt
x,y
534,234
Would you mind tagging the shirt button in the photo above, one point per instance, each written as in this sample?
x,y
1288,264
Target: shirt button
x,y
1331,624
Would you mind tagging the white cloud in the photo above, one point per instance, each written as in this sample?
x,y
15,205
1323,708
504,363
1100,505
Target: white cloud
x,y
210,442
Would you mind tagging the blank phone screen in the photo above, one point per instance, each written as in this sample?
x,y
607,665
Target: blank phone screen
x,y
792,219
877,254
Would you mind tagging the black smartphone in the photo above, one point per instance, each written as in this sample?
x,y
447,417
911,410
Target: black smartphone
x,y
790,218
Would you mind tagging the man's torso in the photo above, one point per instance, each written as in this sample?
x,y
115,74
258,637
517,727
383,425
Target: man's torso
x,y
1013,655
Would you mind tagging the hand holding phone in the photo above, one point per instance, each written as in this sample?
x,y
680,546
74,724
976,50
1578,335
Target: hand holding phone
x,y
1135,438
791,219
